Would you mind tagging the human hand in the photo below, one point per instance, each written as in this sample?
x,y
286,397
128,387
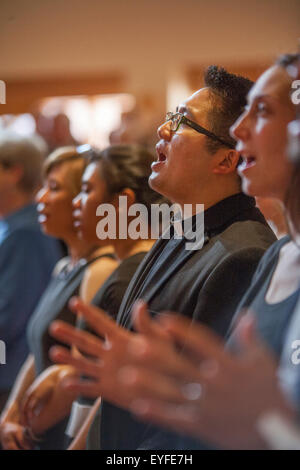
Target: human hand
x,y
107,353
202,389
45,398
14,436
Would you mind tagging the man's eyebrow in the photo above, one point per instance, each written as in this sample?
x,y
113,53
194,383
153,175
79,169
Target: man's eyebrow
x,y
181,108
255,98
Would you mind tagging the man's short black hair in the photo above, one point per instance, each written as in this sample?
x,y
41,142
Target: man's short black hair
x,y
228,98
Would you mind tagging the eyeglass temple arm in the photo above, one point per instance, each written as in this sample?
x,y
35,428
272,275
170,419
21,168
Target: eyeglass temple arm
x,y
207,133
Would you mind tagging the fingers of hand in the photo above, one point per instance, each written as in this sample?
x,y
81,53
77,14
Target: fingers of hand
x,y
143,384
100,322
144,323
85,342
86,366
196,339
161,356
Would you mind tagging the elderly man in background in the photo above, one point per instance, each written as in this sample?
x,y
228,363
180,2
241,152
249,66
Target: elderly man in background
x,y
27,257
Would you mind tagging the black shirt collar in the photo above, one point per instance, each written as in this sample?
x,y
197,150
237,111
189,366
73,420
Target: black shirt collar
x,y
222,214
225,211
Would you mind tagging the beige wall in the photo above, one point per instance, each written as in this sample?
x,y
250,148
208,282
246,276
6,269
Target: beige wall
x,y
146,39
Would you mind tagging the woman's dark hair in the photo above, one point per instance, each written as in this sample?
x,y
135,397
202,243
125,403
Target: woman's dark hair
x,y
128,166
292,200
76,160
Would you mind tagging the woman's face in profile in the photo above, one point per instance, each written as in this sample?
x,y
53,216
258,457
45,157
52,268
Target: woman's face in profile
x,y
55,203
261,133
93,193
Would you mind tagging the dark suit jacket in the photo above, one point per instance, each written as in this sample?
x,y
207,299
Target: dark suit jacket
x,y
205,285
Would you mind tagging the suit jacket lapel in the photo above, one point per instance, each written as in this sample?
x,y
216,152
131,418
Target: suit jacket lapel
x,y
180,259
139,277
182,256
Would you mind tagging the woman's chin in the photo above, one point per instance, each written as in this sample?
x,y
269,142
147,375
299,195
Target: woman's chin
x,y
51,232
45,228
248,188
253,189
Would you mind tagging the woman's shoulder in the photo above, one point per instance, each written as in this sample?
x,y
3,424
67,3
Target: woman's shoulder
x,y
127,268
60,266
272,253
95,275
101,265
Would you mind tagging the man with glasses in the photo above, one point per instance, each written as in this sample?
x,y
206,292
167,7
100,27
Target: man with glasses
x,y
196,164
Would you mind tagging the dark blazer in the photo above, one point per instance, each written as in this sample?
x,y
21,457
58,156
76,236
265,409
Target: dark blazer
x,y
205,285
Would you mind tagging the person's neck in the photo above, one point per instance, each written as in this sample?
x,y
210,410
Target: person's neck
x,y
14,202
206,200
126,248
78,249
293,229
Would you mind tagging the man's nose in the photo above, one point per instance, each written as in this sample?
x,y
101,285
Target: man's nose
x,y
164,131
239,130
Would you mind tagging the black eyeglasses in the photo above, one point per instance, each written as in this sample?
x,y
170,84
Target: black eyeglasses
x,y
178,118
84,150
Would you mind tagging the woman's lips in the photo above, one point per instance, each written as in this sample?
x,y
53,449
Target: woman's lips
x,y
77,223
42,218
76,219
248,162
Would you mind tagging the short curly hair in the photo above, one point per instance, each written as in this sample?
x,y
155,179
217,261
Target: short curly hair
x,y
228,98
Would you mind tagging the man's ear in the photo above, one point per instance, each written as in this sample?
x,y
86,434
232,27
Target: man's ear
x,y
126,192
227,162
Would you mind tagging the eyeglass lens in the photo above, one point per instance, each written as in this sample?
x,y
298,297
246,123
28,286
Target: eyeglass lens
x,y
175,119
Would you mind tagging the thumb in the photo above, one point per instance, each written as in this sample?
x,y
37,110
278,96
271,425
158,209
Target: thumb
x,y
247,335
140,316
144,323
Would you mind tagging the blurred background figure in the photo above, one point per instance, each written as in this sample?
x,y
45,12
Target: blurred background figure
x,y
55,130
27,256
139,124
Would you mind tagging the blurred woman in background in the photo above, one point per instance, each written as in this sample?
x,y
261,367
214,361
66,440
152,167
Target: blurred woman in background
x,y
82,272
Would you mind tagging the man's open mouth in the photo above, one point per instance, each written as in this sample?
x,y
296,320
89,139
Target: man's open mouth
x,y
161,157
